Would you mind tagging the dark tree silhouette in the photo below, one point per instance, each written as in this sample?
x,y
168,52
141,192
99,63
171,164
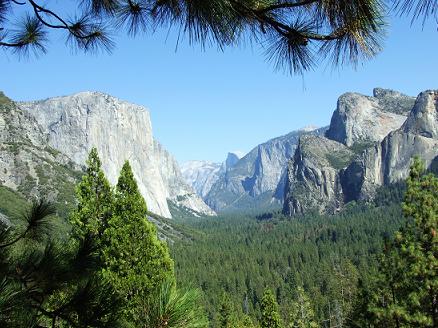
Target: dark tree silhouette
x,y
295,34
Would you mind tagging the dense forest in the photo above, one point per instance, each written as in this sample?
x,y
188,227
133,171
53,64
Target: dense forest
x,y
332,261
103,265
327,255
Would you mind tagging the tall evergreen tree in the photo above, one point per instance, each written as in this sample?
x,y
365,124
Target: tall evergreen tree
x,y
406,293
95,199
269,308
136,261
301,312
225,312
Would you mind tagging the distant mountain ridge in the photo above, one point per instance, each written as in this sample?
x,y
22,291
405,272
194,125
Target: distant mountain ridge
x,y
254,182
120,131
365,146
202,175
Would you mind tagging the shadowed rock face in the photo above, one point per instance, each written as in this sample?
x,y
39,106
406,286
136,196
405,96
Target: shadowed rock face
x,y
120,131
370,158
313,176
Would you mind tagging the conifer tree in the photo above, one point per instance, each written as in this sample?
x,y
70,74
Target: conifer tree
x,y
406,291
269,308
295,35
48,281
95,199
136,261
225,312
246,322
172,308
301,312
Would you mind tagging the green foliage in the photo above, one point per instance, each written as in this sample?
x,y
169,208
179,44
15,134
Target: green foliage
x,y
294,35
95,200
169,307
102,275
136,261
51,282
12,203
226,312
269,308
340,159
324,254
405,292
301,312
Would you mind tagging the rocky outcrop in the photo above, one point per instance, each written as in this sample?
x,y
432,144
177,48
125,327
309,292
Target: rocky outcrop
x,y
178,192
257,180
389,161
4,221
313,180
323,175
28,165
359,119
120,131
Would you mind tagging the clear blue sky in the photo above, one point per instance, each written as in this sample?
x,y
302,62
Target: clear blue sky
x,y
206,103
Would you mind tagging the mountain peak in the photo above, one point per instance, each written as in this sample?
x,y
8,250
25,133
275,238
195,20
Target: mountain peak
x,y
232,159
363,119
423,119
309,128
382,93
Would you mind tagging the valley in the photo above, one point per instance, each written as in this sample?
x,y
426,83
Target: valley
x,y
312,209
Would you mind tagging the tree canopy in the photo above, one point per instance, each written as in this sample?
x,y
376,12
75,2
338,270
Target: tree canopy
x,y
405,292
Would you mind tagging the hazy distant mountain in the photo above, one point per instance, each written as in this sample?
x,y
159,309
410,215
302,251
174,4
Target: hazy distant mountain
x,y
256,181
202,175
120,131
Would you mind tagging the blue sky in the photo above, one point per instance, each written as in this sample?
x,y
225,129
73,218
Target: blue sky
x,y
205,103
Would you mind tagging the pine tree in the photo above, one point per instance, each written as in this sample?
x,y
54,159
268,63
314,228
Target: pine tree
x,y
301,312
406,290
49,281
95,199
269,309
136,261
295,34
172,308
225,312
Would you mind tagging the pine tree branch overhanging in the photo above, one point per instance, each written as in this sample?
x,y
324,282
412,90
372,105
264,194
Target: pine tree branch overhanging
x,y
314,29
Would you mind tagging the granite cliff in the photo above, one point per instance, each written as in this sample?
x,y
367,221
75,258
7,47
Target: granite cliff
x,y
370,143
28,165
120,131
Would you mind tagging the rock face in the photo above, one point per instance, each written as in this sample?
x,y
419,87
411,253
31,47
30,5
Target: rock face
x,y
27,164
389,161
201,175
231,161
120,131
257,180
178,192
355,158
313,180
4,221
362,119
